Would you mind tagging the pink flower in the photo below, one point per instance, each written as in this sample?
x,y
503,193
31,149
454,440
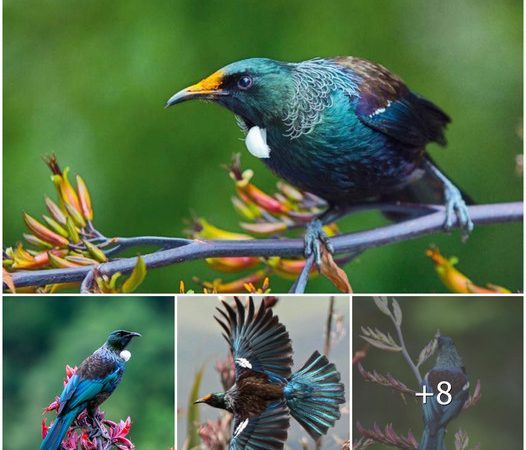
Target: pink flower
x,y
118,434
44,428
70,442
86,444
215,434
53,406
70,371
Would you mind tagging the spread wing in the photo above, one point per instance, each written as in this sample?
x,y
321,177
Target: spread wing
x,y
386,104
268,431
257,340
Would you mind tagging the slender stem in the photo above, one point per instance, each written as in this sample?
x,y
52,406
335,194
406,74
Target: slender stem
x,y
301,282
343,244
122,243
328,328
405,353
161,241
327,346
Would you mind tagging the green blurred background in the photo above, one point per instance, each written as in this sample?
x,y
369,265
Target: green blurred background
x,y
488,335
199,342
42,335
89,83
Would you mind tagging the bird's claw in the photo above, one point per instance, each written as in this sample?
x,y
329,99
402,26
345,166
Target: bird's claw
x,y
94,432
314,237
457,211
97,429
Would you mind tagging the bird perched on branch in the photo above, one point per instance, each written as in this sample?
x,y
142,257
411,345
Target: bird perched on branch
x,y
95,380
438,411
345,129
266,392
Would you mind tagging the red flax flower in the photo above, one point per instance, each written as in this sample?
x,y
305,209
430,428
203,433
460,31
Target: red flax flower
x,y
113,436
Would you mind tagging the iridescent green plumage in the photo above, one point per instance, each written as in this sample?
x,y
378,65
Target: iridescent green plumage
x,y
344,128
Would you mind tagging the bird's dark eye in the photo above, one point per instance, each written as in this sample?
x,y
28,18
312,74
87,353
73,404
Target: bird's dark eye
x,y
245,82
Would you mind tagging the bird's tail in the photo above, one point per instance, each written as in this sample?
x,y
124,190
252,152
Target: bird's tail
x,y
58,430
313,395
431,441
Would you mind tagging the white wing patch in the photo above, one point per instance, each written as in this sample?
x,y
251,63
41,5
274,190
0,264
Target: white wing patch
x,y
256,142
125,354
380,110
240,427
244,363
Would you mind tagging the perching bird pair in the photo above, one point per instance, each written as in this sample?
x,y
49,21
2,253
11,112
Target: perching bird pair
x,y
344,129
266,392
95,380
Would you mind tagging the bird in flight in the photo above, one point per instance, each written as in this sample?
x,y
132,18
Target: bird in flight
x,y
266,392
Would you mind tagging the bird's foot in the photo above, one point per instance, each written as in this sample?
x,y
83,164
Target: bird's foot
x,y
94,432
97,429
457,210
314,238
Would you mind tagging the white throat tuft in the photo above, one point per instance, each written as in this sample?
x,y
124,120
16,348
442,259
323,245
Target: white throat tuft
x,y
125,354
256,142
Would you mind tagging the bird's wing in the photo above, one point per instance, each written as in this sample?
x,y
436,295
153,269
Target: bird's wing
x,y
257,340
453,409
80,390
386,104
68,392
268,431
440,415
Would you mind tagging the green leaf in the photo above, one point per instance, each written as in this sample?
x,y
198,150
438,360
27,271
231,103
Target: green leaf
x,y
136,278
193,418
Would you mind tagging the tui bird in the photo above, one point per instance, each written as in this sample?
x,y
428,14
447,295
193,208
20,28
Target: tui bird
x,y
448,367
345,129
266,392
94,381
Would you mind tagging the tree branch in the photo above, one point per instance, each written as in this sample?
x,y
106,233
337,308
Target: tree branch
x,y
343,244
301,282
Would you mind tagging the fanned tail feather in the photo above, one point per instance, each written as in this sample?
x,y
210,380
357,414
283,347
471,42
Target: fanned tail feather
x,y
58,430
314,394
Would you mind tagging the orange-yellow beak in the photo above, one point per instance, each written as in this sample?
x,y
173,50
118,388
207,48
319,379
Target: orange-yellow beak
x,y
203,399
209,89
